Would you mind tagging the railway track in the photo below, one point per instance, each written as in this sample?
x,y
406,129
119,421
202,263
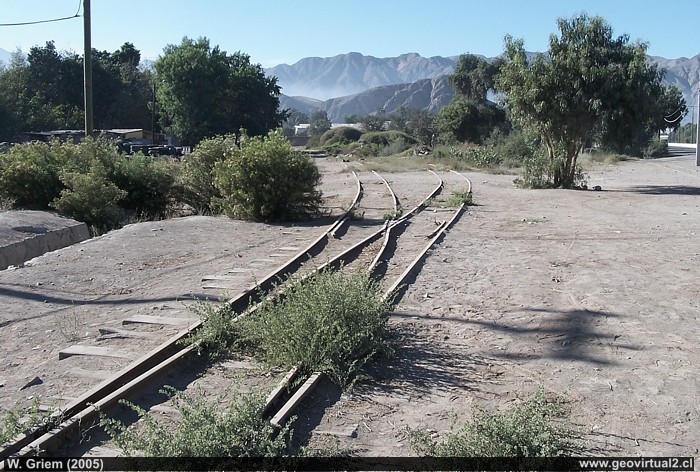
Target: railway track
x,y
369,232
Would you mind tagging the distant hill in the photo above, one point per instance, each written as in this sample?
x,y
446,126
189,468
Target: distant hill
x,y
356,84
430,94
348,74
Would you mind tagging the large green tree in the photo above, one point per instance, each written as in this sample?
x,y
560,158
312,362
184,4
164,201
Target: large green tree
x,y
204,92
474,76
469,120
470,116
590,84
44,91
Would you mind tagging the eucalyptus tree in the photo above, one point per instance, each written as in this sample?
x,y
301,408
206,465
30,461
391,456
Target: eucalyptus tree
x,y
474,76
588,85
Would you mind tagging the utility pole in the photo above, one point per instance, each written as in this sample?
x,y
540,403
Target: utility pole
x,y
697,134
153,113
87,69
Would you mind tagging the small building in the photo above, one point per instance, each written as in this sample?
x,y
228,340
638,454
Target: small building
x,y
136,135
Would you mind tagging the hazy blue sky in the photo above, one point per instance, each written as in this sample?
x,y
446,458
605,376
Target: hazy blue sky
x,y
284,31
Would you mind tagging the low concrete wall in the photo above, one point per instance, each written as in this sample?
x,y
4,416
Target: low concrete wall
x,y
27,234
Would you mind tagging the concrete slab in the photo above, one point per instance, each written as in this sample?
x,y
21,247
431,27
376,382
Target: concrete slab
x,y
27,234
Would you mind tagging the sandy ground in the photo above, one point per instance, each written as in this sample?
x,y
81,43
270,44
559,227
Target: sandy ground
x,y
589,294
593,295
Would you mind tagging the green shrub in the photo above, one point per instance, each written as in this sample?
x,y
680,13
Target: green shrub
x,y
79,179
30,175
264,179
471,155
216,335
204,428
147,181
395,147
540,171
22,420
385,138
90,198
513,147
528,429
341,135
656,148
457,198
329,322
197,171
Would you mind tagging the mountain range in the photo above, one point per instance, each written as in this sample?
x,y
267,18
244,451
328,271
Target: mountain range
x,y
354,84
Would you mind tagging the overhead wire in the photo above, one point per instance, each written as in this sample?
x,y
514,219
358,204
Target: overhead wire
x,y
25,23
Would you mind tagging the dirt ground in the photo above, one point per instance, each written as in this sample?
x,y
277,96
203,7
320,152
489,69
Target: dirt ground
x,y
591,294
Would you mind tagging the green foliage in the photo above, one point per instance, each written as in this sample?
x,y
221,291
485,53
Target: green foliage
x,y
206,92
539,172
294,117
205,428
589,85
196,176
473,156
416,122
329,322
528,429
466,120
393,214
457,198
264,179
341,135
473,76
385,138
686,134
29,175
44,91
216,335
14,422
148,183
656,148
319,123
90,198
374,122
89,181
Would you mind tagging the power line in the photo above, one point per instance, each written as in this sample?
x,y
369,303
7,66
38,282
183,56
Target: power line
x,y
77,14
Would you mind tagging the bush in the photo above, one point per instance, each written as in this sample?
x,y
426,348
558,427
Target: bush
x,y
30,175
514,147
474,156
329,322
540,172
656,148
528,429
23,420
197,171
147,181
385,138
264,179
204,429
90,198
341,135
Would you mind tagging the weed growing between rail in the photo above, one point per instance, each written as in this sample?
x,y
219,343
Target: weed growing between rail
x,y
457,198
527,429
216,335
204,428
24,420
329,322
